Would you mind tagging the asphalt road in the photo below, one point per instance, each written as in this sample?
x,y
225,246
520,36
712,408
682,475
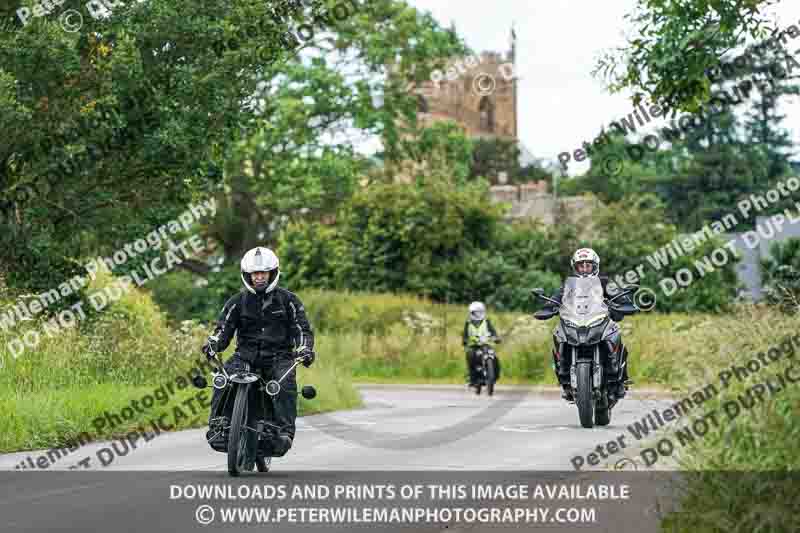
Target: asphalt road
x,y
424,434
400,428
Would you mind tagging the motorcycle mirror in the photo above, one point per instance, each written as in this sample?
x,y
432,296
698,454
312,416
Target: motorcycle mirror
x,y
537,290
543,314
309,392
199,382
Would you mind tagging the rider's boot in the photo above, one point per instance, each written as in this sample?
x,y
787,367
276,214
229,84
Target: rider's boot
x,y
624,383
566,393
562,375
283,443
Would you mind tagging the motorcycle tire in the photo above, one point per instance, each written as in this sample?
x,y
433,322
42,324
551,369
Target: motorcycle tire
x,y
478,390
583,398
602,416
239,435
491,377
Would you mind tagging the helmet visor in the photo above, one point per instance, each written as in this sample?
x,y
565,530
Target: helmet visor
x,y
477,314
584,268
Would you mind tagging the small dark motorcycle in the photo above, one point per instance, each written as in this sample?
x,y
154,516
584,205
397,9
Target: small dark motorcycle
x,y
247,445
489,369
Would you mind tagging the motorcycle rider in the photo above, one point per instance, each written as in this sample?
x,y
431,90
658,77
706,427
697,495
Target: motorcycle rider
x,y
477,325
271,330
586,264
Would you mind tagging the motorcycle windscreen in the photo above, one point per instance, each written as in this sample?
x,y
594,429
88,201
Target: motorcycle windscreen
x,y
583,303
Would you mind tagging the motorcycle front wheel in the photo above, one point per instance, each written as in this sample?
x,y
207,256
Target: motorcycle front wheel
x,y
491,376
239,437
583,398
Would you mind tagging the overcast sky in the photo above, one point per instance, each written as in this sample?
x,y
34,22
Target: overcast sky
x,y
560,103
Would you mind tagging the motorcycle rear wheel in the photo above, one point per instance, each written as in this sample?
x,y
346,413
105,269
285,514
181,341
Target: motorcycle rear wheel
x,y
583,398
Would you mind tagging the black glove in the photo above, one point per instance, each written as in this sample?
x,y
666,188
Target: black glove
x,y
309,356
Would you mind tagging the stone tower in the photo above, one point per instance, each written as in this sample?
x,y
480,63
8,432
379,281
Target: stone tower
x,y
479,93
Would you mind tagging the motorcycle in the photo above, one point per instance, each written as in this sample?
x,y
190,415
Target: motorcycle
x,y
587,334
247,447
489,369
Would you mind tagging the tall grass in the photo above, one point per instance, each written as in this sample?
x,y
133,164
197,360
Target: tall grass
x,y
383,337
51,394
744,474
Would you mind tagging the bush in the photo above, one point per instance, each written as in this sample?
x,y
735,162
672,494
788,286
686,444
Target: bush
x,y
447,244
630,231
782,276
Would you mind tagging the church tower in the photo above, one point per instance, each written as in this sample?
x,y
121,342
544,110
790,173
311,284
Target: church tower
x,y
479,93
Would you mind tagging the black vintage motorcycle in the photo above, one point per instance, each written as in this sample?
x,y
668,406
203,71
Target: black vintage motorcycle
x,y
489,370
588,337
248,442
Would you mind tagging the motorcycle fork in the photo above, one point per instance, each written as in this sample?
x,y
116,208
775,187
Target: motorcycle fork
x,y
264,428
598,372
573,367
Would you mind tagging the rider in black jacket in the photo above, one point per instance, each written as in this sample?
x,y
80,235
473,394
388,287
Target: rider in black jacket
x,y
271,330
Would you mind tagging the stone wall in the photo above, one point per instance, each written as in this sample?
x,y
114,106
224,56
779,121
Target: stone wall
x,y
532,201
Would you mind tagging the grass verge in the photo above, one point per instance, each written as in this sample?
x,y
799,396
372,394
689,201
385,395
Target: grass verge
x,y
54,393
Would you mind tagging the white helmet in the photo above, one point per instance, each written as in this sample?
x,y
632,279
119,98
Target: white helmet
x,y
586,255
260,260
477,311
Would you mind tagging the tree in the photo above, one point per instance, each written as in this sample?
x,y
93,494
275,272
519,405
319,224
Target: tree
x,y
491,156
299,160
139,113
119,125
674,43
763,131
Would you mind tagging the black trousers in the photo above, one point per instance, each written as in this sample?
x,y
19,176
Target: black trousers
x,y
280,410
473,364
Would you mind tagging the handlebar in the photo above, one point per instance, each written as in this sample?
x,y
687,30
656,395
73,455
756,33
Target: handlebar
x,y
272,387
539,293
213,355
624,292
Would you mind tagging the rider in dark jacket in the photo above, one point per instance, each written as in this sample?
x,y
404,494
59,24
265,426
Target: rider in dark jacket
x,y
586,263
271,330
